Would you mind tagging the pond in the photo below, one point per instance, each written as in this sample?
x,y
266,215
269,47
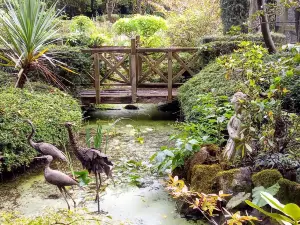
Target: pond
x,y
139,196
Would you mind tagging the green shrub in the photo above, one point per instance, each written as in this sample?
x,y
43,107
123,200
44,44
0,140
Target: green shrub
x,y
140,25
47,107
76,60
6,79
210,79
234,13
81,24
212,47
210,51
278,38
291,101
185,29
149,28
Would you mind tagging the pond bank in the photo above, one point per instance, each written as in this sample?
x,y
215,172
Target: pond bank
x,y
139,197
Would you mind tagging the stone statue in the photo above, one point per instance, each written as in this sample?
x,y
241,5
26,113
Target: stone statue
x,y
234,126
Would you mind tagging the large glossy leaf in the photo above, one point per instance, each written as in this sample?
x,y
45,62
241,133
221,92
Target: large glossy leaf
x,y
292,210
237,200
256,194
276,216
273,202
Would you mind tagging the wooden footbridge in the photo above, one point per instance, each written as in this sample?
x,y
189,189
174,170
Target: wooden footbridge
x,y
125,74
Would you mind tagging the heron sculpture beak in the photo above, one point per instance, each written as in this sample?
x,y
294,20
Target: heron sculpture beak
x,y
41,157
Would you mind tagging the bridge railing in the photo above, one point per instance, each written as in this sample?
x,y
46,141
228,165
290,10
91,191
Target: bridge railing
x,y
132,66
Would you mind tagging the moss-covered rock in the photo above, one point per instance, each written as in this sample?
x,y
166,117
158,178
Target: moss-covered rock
x,y
197,159
235,180
289,191
266,178
203,178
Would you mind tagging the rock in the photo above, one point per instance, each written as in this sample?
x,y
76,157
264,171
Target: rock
x,y
235,180
203,178
197,159
206,155
289,192
238,200
131,107
266,178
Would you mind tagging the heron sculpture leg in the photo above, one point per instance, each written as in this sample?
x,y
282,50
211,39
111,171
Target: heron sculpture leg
x,y
63,194
68,194
98,185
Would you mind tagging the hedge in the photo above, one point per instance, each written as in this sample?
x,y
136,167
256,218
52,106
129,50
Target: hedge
x,y
278,38
212,47
210,79
47,107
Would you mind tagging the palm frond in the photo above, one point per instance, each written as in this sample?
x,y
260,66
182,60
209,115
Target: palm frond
x,y
28,27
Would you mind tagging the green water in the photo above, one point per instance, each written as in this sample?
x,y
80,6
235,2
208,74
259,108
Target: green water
x,y
125,204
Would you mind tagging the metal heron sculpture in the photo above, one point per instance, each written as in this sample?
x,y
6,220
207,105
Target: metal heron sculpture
x,y
91,159
43,147
59,179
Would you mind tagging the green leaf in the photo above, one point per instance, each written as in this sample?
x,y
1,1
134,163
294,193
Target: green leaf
x,y
248,147
292,210
237,200
256,194
273,202
83,177
275,216
289,73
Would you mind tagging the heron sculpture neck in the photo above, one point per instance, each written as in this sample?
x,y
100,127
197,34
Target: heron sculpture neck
x,y
72,139
29,138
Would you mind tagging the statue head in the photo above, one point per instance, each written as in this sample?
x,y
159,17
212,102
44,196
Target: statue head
x,y
237,100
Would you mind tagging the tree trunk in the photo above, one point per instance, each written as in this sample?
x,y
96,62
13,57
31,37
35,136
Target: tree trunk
x,y
21,79
139,6
297,24
93,8
110,5
253,22
265,28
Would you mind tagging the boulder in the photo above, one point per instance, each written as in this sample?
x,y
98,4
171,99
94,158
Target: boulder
x,y
235,181
197,159
203,178
206,155
289,192
266,178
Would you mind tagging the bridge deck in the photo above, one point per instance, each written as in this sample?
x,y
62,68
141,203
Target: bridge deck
x,y
123,96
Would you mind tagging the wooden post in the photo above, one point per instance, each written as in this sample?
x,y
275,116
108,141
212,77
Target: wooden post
x,y
97,77
133,69
170,76
139,60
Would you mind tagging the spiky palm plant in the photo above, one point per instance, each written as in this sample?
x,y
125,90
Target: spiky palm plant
x,y
28,27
